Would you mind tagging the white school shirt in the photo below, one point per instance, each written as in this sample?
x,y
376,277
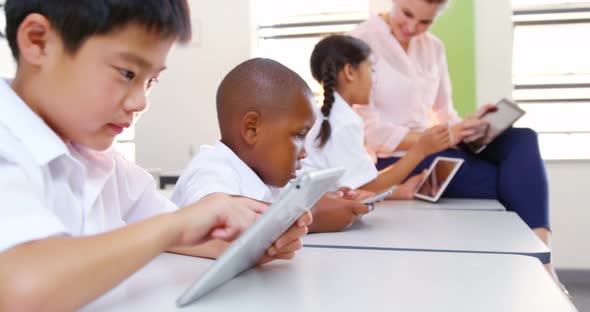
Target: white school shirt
x,y
345,148
48,188
217,169
412,90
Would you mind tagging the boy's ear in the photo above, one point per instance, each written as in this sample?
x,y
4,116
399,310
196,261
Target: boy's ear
x,y
35,38
250,127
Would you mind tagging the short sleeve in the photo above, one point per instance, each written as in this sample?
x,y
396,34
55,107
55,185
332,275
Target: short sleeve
x,y
138,196
197,183
346,149
150,204
23,215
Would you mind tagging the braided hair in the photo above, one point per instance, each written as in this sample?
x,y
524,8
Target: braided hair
x,y
328,58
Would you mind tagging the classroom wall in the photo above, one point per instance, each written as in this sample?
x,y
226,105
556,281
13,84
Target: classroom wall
x,y
569,183
493,50
456,28
182,110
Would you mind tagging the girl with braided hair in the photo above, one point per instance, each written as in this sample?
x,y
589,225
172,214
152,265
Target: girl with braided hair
x,y
343,66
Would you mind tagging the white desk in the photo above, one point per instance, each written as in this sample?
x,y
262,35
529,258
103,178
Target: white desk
x,y
389,228
448,204
350,280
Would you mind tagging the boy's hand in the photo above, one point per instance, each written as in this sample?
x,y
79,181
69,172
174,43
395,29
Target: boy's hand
x,y
336,214
225,217
216,216
434,140
286,245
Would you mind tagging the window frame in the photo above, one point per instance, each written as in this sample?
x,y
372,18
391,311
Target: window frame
x,y
547,15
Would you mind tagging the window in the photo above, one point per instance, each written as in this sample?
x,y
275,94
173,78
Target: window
x,y
287,31
551,74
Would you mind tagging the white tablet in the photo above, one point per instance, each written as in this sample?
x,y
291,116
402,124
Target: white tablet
x,y
297,198
437,179
505,115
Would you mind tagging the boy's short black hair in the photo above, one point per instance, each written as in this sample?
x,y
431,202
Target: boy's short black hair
x,y
261,85
77,20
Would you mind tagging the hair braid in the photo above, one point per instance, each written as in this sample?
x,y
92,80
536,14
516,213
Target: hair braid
x,y
329,72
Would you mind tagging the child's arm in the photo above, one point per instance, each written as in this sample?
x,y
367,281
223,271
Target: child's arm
x,y
64,273
283,248
409,140
432,141
334,214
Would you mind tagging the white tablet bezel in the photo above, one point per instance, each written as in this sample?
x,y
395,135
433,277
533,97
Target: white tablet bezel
x,y
443,187
297,198
504,106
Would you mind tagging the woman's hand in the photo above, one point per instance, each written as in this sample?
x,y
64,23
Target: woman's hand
x,y
468,130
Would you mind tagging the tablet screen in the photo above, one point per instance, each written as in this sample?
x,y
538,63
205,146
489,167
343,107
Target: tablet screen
x,y
438,177
500,120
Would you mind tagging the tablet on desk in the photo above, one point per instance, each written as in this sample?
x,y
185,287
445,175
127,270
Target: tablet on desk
x,y
441,172
297,198
506,114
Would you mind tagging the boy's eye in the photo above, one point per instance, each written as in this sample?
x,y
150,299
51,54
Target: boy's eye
x,y
128,75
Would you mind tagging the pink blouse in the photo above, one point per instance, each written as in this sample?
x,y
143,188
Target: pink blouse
x,y
412,90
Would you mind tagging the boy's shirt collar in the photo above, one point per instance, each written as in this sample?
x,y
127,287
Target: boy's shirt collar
x,y
43,143
252,186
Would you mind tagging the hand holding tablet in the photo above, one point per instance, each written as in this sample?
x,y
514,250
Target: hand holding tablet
x,y
297,198
499,120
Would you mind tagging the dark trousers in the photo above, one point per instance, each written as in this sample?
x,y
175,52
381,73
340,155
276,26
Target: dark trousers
x,y
510,170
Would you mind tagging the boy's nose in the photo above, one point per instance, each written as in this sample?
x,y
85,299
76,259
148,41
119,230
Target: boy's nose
x,y
136,102
302,154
